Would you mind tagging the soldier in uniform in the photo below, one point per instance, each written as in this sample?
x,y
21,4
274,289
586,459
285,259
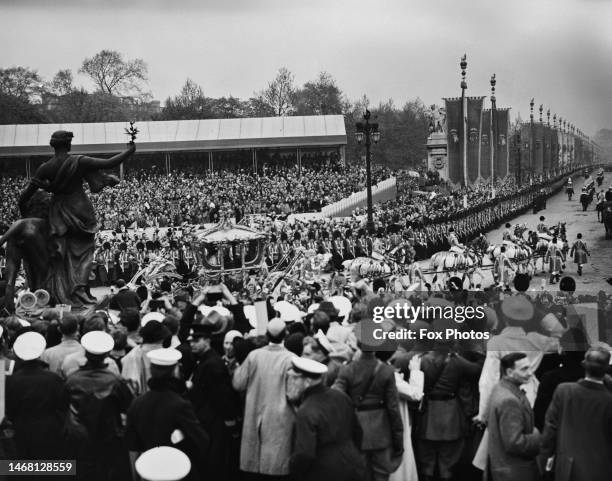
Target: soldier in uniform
x,y
140,253
311,244
349,245
106,265
502,268
360,247
325,242
580,252
175,423
554,257
285,248
124,261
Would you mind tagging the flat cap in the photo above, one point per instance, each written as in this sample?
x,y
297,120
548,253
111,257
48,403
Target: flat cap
x,y
517,308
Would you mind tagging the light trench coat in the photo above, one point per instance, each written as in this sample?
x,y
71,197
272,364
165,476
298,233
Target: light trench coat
x,y
268,418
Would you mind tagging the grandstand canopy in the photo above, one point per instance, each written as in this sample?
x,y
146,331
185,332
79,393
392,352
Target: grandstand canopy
x,y
179,135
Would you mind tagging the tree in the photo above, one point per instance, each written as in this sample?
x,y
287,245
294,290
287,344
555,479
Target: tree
x,y
280,94
258,107
16,110
113,75
319,97
61,84
227,108
20,82
190,103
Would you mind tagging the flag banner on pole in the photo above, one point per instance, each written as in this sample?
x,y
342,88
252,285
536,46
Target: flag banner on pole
x,y
474,130
546,145
539,148
554,149
485,151
502,152
578,149
453,139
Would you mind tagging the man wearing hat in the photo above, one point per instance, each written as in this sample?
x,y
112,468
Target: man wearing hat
x,y
72,219
327,433
268,418
36,402
175,423
163,463
98,397
215,402
371,386
136,366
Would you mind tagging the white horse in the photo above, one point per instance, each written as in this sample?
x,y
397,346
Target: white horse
x,y
451,262
366,266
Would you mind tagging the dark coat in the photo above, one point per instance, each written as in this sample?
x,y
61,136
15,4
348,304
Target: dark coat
x,y
578,432
125,299
215,404
37,403
326,437
513,443
443,417
99,397
155,415
352,378
568,372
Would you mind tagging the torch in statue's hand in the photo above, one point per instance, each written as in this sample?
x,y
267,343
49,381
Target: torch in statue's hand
x,y
132,132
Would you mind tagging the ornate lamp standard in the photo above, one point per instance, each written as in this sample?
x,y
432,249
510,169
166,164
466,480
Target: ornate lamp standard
x,y
369,132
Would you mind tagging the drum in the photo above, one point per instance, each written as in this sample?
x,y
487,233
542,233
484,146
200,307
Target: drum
x,y
544,236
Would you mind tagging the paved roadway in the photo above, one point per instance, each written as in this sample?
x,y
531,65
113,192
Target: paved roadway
x,y
559,209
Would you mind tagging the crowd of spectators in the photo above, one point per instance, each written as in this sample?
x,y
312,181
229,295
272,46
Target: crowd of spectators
x,y
231,375
149,198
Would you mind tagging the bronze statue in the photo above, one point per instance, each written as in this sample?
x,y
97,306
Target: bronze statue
x,y
71,220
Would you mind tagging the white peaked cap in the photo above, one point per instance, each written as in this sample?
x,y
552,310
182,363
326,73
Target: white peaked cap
x,y
29,346
98,342
152,316
164,357
308,366
163,463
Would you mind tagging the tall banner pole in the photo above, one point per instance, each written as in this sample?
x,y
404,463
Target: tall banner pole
x,y
463,66
493,134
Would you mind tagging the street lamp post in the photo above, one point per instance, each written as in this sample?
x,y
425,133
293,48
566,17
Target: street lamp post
x,y
368,131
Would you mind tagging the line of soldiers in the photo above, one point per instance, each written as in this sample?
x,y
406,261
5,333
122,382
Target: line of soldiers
x,y
123,255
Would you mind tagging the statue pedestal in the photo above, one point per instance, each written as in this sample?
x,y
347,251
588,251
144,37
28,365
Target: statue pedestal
x,y
437,156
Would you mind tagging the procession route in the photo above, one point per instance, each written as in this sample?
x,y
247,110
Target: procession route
x,y
559,209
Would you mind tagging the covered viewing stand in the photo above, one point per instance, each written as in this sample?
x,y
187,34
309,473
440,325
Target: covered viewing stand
x,y
207,141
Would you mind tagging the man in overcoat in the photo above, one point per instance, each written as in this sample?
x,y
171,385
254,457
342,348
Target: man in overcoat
x,y
268,419
581,443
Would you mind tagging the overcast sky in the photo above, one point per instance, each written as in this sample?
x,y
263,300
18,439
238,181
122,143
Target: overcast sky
x,y
558,51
